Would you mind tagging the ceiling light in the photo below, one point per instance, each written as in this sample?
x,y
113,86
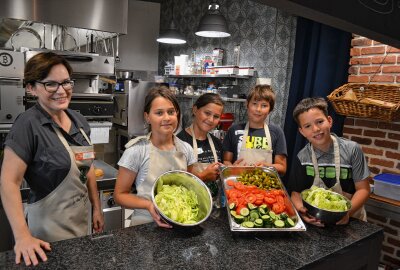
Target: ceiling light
x,y
213,24
171,36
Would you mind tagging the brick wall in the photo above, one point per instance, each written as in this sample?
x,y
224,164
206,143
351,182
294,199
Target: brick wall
x,y
374,62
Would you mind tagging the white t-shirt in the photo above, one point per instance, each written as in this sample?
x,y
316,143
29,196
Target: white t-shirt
x,y
137,157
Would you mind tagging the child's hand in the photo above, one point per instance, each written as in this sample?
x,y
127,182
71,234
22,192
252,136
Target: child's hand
x,y
344,220
309,219
237,162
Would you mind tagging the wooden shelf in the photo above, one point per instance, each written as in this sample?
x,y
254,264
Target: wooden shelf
x,y
223,98
232,76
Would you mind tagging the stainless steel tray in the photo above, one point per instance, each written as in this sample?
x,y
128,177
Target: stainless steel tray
x,y
232,173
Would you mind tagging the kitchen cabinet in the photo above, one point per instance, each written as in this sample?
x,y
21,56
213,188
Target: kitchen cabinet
x,y
138,50
212,245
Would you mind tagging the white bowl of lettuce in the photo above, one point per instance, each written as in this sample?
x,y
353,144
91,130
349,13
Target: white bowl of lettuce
x,y
182,199
327,206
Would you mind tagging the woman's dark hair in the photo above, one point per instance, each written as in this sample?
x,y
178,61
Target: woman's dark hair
x,y
39,66
208,98
165,92
310,103
263,92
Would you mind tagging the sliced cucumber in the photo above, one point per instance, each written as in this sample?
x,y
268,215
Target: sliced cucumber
x,y
263,206
244,211
272,215
251,206
254,215
284,216
258,222
262,211
289,222
239,219
232,206
233,213
279,223
248,224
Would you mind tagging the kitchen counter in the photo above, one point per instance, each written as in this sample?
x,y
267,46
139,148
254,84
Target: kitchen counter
x,y
213,246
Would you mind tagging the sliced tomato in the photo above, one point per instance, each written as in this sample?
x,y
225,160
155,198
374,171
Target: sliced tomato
x,y
239,186
269,200
251,198
260,196
258,202
230,182
278,208
280,199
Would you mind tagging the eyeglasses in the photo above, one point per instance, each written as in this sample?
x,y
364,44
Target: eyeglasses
x,y
52,86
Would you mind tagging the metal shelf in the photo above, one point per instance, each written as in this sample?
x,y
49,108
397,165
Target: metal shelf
x,y
233,76
223,98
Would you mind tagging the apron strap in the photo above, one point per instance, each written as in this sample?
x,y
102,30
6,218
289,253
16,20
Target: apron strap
x,y
317,178
246,133
210,141
135,140
84,135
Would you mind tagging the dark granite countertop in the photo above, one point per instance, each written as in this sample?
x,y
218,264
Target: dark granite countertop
x,y
209,246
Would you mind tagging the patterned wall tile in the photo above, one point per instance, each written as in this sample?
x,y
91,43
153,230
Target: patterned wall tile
x,y
266,37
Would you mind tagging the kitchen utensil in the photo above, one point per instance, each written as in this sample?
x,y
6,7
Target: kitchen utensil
x,y
191,182
117,59
21,37
326,216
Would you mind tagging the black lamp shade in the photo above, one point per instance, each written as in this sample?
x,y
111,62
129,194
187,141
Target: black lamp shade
x,y
213,24
171,36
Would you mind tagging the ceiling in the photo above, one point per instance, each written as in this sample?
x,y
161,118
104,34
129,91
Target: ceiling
x,y
376,19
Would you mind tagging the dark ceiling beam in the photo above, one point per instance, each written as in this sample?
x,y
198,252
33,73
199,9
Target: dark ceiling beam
x,y
376,19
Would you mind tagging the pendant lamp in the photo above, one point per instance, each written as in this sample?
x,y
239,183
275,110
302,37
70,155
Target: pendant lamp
x,y
213,24
171,35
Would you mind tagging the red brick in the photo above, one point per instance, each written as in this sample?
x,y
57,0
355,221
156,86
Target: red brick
x,y
375,42
387,249
393,155
381,162
349,121
398,253
362,61
387,144
389,230
395,223
373,50
361,42
382,78
374,133
366,123
349,130
394,171
358,79
394,136
390,49
378,218
391,126
398,166
391,260
353,70
355,51
374,170
372,151
388,59
368,70
393,241
391,69
361,140
398,79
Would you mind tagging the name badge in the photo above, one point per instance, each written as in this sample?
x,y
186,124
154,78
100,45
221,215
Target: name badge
x,y
84,155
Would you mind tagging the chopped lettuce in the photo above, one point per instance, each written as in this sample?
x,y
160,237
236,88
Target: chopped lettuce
x,y
178,203
325,199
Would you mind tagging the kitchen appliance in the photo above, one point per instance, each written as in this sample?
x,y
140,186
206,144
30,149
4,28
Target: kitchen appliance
x,y
229,91
11,86
129,106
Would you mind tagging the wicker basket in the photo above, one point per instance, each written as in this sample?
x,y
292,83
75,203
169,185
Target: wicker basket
x,y
377,101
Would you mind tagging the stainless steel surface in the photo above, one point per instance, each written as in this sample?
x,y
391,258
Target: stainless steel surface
x,y
326,216
191,182
11,65
120,116
232,173
103,15
110,173
82,63
20,32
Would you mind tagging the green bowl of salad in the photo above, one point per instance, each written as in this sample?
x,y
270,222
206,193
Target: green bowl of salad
x,y
181,198
327,206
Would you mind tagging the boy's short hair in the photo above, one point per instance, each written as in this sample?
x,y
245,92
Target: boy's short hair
x,y
310,103
263,92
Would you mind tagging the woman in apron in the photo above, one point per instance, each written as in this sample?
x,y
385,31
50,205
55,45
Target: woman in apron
x,y
257,143
48,146
207,148
327,161
147,157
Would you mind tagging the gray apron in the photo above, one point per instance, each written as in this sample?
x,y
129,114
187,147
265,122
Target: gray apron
x,y
64,213
252,156
360,213
201,166
160,161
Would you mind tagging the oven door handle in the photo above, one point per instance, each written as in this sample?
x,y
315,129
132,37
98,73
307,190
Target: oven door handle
x,y
78,58
10,79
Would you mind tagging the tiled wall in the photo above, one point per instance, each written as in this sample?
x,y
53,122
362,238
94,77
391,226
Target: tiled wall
x,y
266,37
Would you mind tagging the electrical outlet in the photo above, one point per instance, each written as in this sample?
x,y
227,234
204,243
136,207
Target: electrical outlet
x,y
264,81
